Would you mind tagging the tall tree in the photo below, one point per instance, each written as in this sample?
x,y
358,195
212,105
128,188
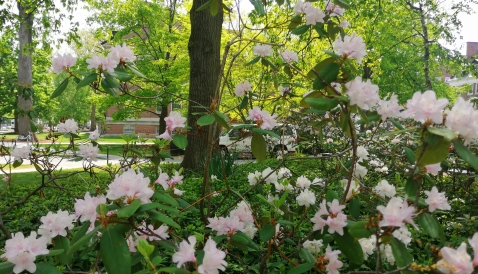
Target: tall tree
x,y
204,55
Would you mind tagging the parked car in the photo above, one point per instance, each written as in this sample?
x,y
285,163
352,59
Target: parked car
x,y
238,139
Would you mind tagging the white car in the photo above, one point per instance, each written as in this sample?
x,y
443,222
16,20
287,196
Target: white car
x,y
238,139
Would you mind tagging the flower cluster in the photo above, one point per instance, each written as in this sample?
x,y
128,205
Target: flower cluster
x,y
240,219
336,219
19,153
262,50
363,94
262,118
95,135
69,126
313,15
396,213
170,182
130,185
89,151
213,259
351,46
86,208
289,56
62,62
462,119
436,200
54,224
22,251
173,121
117,55
425,106
241,88
458,261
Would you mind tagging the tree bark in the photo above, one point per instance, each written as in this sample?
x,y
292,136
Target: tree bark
x,y
204,55
162,122
93,118
25,91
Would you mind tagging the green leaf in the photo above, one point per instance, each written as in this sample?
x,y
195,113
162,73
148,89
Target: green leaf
x,y
433,152
33,127
87,80
294,22
53,252
350,247
204,6
444,132
59,90
326,76
268,63
221,119
180,141
305,255
331,195
17,163
301,30
145,248
63,243
244,102
258,7
82,241
43,268
354,208
158,216
267,232
122,76
109,89
319,67
173,270
331,53
206,120
401,254
302,268
341,4
396,124
263,131
259,147
114,251
213,7
410,155
359,230
135,70
165,198
111,80
6,267
253,61
466,154
411,187
322,103
430,225
129,210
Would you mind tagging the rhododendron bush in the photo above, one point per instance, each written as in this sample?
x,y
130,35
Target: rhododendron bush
x,y
356,212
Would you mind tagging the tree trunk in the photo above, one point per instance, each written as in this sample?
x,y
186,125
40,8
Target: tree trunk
x,y
25,91
204,56
162,123
93,118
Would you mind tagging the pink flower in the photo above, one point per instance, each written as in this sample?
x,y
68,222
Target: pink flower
x,y
262,118
23,261
262,50
385,189
389,108
94,62
433,169
69,126
62,62
122,54
455,261
352,46
163,180
89,151
313,15
87,208
175,120
243,212
109,64
474,244
165,136
300,7
130,185
336,220
160,233
334,263
289,56
95,135
436,200
186,252
241,88
226,226
333,9
363,94
54,224
344,24
462,119
213,259
396,213
425,106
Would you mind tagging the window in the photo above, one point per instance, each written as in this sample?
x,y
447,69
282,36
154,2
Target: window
x,y
175,106
128,129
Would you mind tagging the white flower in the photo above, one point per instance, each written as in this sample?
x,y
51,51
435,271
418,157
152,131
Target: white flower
x,y
313,246
241,88
313,15
362,153
254,178
306,198
363,94
62,62
262,50
303,182
95,135
352,46
272,178
89,151
425,106
436,200
403,234
385,189
69,126
19,153
289,56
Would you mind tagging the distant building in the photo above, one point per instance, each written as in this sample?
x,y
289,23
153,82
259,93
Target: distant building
x,y
461,80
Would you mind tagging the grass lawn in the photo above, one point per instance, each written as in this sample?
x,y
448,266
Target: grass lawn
x,y
84,135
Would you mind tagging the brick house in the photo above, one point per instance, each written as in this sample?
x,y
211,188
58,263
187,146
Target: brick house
x,y
146,125
461,80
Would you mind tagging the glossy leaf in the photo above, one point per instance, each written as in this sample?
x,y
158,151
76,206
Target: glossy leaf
x,y
63,243
43,268
322,103
221,119
158,216
354,208
87,80
206,120
214,7
114,251
173,270
267,232
466,154
59,90
319,67
109,89
431,226
82,241
396,124
122,76
259,147
410,155
326,76
180,141
305,255
433,153
253,61
295,22
411,187
164,198
302,268
268,132
6,267
301,30
350,247
401,254
129,210
359,230
204,6
258,7
111,80
444,132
